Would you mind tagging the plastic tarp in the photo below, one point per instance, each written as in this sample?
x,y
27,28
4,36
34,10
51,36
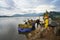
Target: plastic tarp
x,y
24,29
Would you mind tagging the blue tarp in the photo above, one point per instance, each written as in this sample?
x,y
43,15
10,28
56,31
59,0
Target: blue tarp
x,y
24,29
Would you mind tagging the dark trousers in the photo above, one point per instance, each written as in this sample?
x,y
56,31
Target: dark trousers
x,y
33,27
38,24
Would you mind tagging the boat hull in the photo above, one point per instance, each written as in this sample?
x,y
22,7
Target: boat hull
x,y
24,30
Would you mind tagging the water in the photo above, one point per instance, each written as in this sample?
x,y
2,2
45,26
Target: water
x,y
9,28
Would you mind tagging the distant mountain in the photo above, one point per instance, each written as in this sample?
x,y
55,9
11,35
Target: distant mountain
x,y
54,15
17,15
5,16
28,15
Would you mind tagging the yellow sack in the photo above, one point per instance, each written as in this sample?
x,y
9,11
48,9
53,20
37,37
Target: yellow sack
x,y
25,26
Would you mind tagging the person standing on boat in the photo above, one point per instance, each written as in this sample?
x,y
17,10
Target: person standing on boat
x,y
33,25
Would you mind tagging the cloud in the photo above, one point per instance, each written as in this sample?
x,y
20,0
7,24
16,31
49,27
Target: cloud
x,y
30,3
57,4
53,1
7,4
10,7
10,3
43,8
37,9
3,4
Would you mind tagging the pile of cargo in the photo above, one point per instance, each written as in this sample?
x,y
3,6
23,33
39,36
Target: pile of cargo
x,y
25,26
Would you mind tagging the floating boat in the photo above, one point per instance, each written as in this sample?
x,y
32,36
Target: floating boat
x,y
24,29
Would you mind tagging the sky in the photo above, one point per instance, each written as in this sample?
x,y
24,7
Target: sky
x,y
11,7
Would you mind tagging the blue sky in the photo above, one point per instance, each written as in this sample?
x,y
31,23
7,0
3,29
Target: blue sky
x,y
10,7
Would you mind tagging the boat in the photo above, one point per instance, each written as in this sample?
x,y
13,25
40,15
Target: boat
x,y
22,28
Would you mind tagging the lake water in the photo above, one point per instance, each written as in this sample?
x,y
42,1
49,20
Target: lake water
x,y
9,27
